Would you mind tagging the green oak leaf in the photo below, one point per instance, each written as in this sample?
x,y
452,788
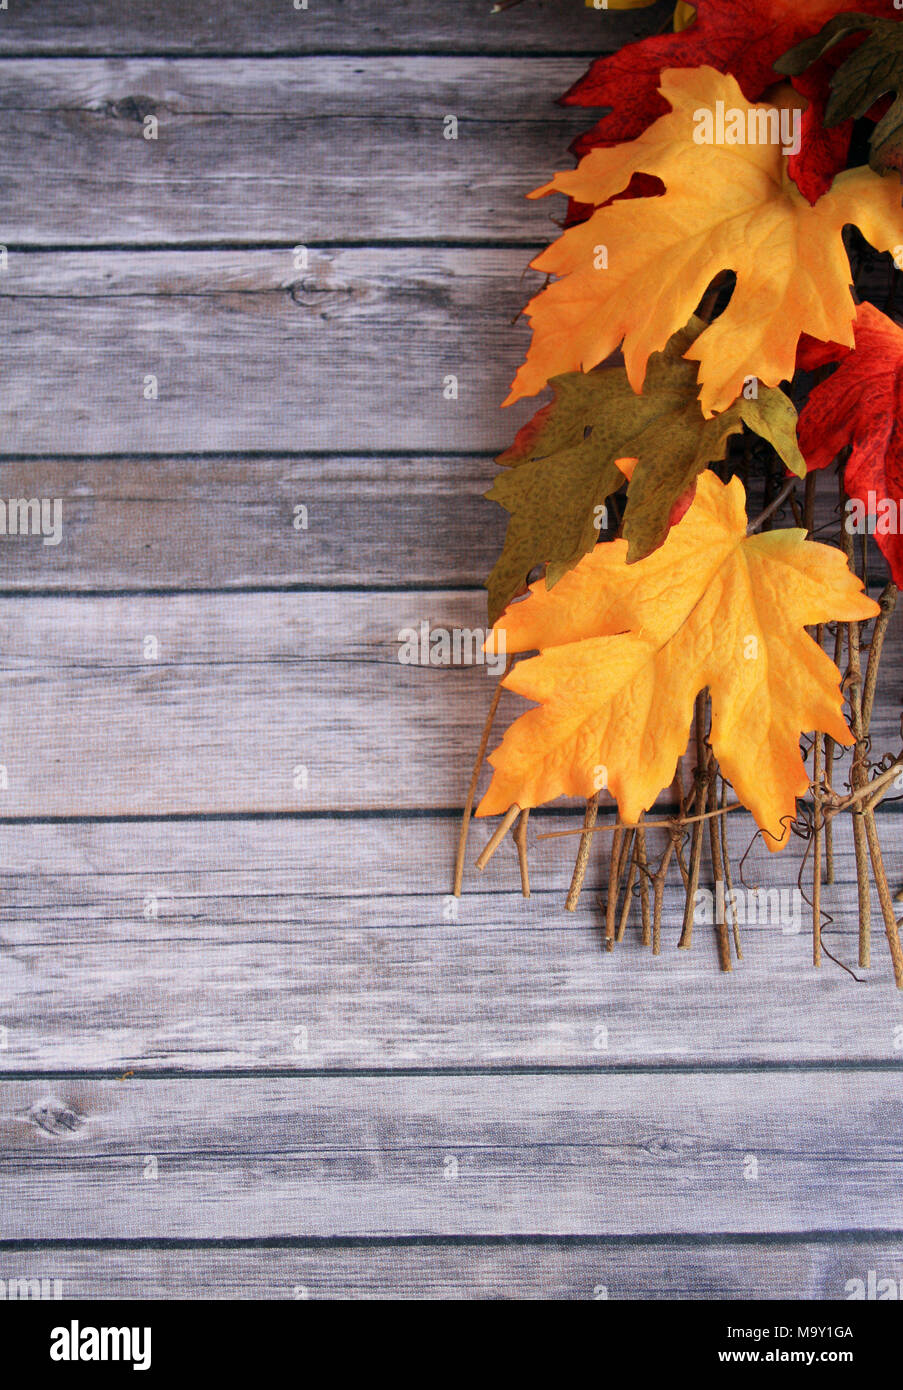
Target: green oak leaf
x,y
869,73
562,467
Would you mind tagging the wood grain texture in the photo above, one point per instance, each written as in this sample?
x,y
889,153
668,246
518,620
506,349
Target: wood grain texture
x,y
551,1270
284,151
342,929
229,523
245,690
606,1154
326,26
247,350
84,883
602,1109
251,354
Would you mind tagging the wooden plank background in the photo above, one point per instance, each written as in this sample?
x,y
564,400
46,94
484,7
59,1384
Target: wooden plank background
x,y
248,1045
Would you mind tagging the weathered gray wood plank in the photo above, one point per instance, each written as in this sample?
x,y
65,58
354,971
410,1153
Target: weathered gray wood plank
x,y
245,350
246,691
343,929
325,26
811,1270
495,89
226,522
84,883
283,151
250,353
603,1155
520,989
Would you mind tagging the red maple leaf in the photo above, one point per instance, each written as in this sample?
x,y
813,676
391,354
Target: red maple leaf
x,y
742,37
824,149
860,406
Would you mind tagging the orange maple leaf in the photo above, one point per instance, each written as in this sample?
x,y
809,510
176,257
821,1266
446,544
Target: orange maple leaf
x,y
626,649
636,270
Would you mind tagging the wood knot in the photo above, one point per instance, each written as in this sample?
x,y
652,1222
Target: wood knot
x,y
130,109
54,1117
311,293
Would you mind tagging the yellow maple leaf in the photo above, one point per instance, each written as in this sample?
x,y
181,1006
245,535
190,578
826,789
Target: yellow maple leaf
x,y
636,270
625,649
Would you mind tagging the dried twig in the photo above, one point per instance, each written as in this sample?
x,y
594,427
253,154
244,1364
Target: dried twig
x,y
702,781
658,886
887,603
628,890
611,905
816,861
520,839
498,836
589,820
729,896
809,502
643,867
772,506
884,897
682,864
724,944
472,789
829,771
858,774
648,824
871,793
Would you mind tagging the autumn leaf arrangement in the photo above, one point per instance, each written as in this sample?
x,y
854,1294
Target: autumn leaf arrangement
x,y
717,326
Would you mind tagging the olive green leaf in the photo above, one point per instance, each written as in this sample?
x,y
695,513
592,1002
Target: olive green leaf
x,y
563,465
869,73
